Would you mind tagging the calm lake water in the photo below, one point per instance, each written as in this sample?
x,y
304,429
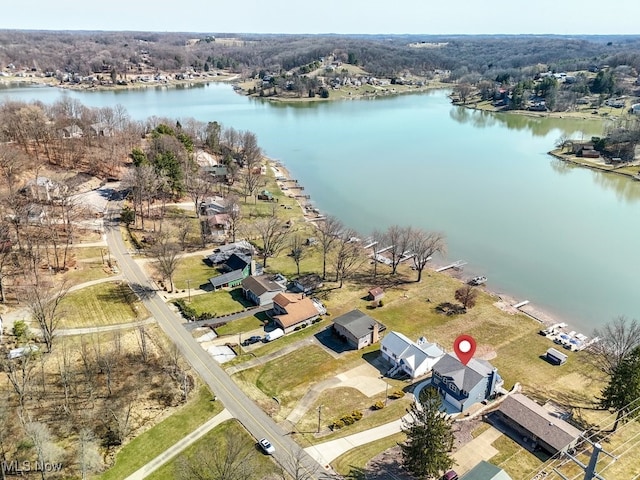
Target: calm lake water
x,y
563,237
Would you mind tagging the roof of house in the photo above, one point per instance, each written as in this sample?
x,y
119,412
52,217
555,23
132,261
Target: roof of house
x,y
358,323
540,422
237,261
413,354
299,308
309,281
464,376
485,471
260,285
225,278
375,291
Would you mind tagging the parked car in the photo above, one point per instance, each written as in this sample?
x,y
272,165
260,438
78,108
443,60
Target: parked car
x,y
450,475
269,449
252,340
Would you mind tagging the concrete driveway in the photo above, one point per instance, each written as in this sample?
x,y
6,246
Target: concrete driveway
x,y
478,449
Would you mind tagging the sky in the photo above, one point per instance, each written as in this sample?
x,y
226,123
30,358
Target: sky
x,y
560,17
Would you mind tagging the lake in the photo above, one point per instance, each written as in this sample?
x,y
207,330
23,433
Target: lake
x,y
564,237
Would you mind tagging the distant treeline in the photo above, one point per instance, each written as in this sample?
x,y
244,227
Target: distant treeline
x,y
126,53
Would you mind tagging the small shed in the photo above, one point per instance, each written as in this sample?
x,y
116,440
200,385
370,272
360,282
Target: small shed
x,y
376,293
555,357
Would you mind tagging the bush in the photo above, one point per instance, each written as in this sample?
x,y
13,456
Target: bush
x,y
356,415
396,394
338,424
316,320
380,303
377,406
348,420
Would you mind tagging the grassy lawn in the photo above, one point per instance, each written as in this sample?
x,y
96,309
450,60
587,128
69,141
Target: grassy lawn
x,y
156,440
241,325
104,304
351,464
86,272
221,302
263,463
515,460
195,270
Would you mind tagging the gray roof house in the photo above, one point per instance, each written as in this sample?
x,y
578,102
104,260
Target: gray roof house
x,y
485,471
261,290
412,358
307,283
542,427
461,385
236,268
358,329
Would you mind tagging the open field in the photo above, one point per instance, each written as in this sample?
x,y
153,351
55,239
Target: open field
x,y
262,463
157,439
105,304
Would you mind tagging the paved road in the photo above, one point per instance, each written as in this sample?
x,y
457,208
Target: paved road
x,y
288,453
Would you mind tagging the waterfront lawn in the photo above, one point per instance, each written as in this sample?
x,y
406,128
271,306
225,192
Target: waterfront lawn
x,y
352,463
264,466
195,270
220,302
98,305
150,444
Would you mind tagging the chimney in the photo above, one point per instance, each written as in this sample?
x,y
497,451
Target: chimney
x,y
252,268
375,334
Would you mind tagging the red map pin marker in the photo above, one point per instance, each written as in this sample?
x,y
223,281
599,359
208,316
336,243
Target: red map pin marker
x,y
465,347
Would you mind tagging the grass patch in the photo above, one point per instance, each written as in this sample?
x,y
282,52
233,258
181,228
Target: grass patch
x,y
195,270
220,302
241,325
263,464
104,304
480,429
85,272
515,460
156,440
352,464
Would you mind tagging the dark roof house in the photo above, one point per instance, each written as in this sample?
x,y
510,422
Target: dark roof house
x,y
540,426
461,385
261,290
358,329
307,283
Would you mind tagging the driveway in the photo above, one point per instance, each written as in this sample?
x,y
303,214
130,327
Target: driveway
x,y
478,449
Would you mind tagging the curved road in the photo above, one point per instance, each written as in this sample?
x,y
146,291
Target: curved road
x,y
289,454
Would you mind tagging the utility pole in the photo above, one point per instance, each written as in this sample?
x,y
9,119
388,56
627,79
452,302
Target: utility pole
x,y
319,416
189,288
589,470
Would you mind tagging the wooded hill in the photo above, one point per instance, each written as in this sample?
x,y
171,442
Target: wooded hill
x,y
85,53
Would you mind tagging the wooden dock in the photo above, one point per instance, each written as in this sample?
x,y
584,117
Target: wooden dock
x,y
457,265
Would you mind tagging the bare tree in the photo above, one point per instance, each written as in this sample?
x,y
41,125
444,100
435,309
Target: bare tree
x,y
273,233
348,256
234,214
142,343
297,250
43,301
198,187
377,237
167,257
231,459
618,338
6,256
7,434
398,240
423,246
89,459
20,374
467,295
43,443
328,231
294,468
184,226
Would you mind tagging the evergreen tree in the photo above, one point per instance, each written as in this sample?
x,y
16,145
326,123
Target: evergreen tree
x,y
623,391
429,437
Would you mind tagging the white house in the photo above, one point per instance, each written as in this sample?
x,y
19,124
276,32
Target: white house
x,y
413,358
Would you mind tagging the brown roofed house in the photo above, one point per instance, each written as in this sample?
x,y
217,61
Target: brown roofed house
x,y
293,309
536,423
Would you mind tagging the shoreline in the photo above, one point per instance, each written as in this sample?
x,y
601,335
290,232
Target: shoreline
x,y
504,301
